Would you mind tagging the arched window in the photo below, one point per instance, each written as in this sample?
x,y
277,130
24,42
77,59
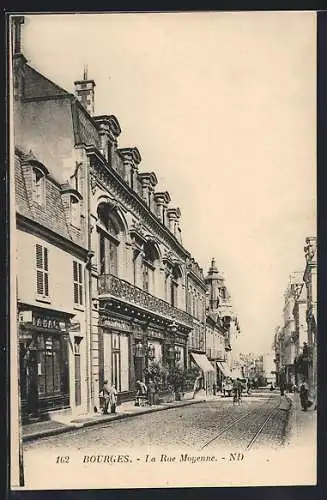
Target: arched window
x,y
38,186
108,240
148,267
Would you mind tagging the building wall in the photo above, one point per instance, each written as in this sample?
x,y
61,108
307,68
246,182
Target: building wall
x,y
46,128
61,298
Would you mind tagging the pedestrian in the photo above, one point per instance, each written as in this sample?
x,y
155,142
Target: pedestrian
x,y
113,398
237,391
141,391
282,388
104,397
151,392
304,396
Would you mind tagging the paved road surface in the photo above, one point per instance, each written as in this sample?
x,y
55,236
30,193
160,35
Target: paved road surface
x,y
208,426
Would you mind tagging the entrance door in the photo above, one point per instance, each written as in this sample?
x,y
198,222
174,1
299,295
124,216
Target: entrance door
x,y
77,358
28,380
116,370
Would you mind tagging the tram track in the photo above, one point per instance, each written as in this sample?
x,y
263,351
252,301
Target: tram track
x,y
258,431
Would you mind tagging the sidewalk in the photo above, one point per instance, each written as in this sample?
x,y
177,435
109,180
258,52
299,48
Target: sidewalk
x,y
41,429
301,429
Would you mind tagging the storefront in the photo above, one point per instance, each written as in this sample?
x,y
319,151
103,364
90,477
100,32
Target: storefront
x,y
208,371
44,366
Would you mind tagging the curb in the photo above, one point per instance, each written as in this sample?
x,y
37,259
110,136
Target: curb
x,y
91,423
289,427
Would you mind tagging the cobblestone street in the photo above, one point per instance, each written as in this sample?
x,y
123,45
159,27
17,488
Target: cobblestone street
x,y
207,425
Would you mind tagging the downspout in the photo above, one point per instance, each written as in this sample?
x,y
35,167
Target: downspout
x,y
88,292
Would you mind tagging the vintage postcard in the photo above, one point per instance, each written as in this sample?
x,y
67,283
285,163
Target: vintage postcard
x,y
163,235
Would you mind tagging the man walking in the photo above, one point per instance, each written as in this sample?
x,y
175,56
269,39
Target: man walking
x,y
151,392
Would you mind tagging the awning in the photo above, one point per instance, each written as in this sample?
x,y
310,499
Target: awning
x,y
224,369
202,362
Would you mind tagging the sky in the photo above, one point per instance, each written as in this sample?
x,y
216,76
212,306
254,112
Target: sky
x,y
222,107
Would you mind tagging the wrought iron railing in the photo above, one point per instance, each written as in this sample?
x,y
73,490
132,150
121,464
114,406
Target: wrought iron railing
x,y
116,287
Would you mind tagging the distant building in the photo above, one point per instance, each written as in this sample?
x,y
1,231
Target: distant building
x,y
295,343
222,326
252,366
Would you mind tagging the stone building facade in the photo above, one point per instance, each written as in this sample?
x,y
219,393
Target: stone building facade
x,y
295,343
51,261
222,327
143,292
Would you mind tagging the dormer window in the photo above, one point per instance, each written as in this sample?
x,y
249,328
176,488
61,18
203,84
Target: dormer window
x,y
75,211
38,186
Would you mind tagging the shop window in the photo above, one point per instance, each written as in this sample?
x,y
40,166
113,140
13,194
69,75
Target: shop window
x,y
42,271
78,283
38,187
75,212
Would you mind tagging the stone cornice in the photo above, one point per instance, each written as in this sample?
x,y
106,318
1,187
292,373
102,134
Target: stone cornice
x,y
111,180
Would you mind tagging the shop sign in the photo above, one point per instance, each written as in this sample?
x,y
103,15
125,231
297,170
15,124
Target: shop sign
x,y
49,322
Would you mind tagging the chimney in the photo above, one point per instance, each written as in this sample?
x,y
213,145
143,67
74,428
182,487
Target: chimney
x,y
161,200
131,158
84,91
16,33
173,215
109,131
148,183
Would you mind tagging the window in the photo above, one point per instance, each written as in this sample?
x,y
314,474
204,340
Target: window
x,y
108,254
148,267
173,293
42,276
38,187
78,283
108,242
75,215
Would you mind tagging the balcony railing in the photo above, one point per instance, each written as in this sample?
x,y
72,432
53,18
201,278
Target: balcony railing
x,y
128,293
216,354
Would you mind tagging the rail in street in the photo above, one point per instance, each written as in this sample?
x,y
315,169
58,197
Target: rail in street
x,y
215,424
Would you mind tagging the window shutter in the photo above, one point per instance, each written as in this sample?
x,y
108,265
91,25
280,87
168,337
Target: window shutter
x,y
75,293
39,257
75,276
45,259
39,282
46,284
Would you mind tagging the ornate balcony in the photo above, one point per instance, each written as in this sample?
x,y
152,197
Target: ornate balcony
x,y
113,287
